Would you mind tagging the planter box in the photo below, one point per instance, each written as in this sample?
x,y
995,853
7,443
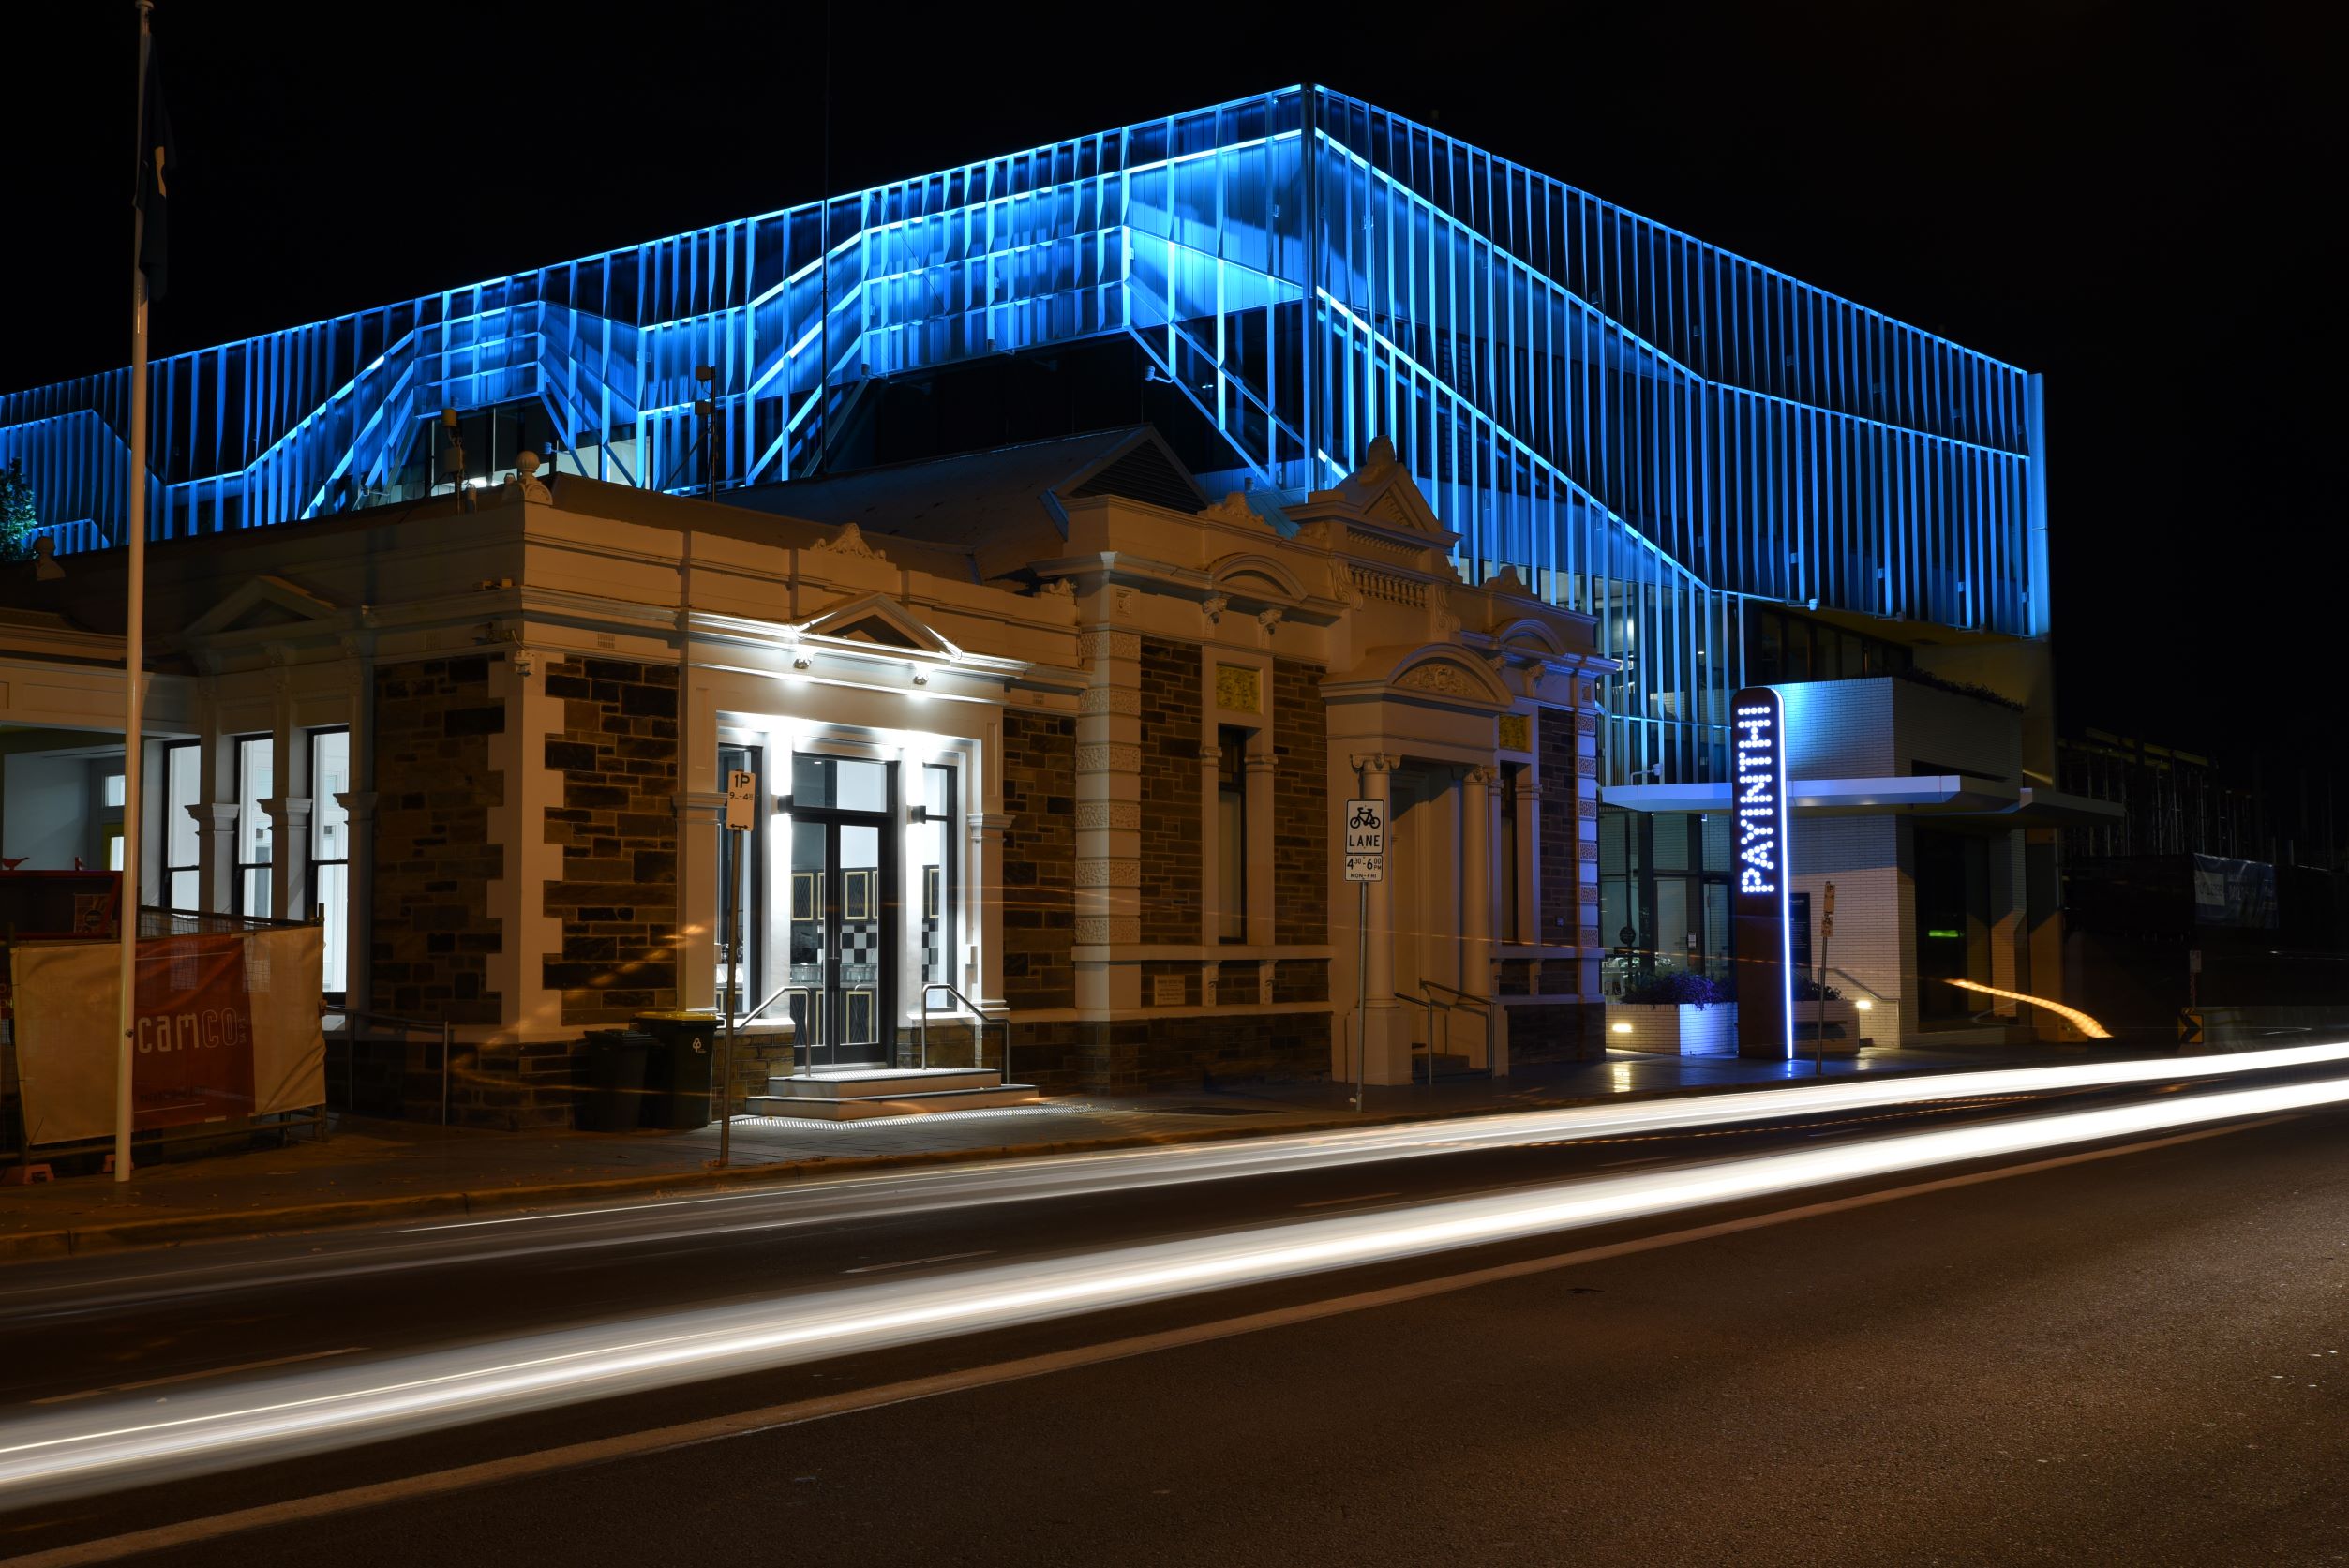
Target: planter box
x,y
1846,1023
1674,1031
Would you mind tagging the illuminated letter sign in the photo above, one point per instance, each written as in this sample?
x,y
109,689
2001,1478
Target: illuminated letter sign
x,y
1758,801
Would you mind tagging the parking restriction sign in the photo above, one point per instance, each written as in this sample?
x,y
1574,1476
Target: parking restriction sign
x,y
1366,840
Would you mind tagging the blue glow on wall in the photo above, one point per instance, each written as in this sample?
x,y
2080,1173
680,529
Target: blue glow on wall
x,y
1651,429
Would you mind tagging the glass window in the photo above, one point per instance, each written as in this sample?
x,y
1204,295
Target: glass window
x,y
1232,835
254,842
1797,657
842,783
182,782
1769,653
330,852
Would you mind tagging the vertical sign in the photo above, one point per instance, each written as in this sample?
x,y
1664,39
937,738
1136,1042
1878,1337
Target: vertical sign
x,y
1366,840
1759,897
741,801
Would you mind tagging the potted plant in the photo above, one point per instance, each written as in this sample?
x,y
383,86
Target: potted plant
x,y
1675,1015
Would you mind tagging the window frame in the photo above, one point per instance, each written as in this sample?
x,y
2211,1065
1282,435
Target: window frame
x,y
172,868
241,900
317,862
1232,905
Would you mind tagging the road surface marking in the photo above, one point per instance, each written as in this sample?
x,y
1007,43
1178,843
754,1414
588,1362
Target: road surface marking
x,y
192,1377
1365,1198
917,1262
692,1433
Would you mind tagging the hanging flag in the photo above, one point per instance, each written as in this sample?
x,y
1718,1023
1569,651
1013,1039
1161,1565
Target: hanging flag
x,y
158,161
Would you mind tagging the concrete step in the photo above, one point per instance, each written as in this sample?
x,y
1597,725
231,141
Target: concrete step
x,y
871,1082
910,1102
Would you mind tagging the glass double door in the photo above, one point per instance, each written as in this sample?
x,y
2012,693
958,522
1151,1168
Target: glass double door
x,y
843,941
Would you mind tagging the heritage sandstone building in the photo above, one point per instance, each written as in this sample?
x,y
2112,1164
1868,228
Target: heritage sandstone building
x,y
1039,734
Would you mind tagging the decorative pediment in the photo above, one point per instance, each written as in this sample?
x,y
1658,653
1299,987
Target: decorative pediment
x,y
1531,636
879,620
1451,678
1382,492
849,542
1442,673
1246,575
264,603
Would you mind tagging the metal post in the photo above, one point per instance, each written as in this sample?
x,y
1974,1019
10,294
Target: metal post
x,y
134,636
733,963
1361,985
1826,929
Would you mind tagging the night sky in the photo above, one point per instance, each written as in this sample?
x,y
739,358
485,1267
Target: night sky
x,y
2124,197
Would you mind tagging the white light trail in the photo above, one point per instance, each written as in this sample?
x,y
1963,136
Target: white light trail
x,y
114,1279
98,1448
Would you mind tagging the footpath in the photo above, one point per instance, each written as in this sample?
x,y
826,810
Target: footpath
x,y
364,1169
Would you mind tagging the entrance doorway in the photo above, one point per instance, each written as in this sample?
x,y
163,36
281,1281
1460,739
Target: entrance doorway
x,y
843,911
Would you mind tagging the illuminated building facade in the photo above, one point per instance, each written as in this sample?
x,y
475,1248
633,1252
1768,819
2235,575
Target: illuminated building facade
x,y
1738,479
1655,432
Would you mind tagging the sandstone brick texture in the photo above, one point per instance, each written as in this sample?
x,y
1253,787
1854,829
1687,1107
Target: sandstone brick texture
x,y
1040,855
1300,979
1171,833
433,935
617,826
1569,798
1556,1032
1130,1057
1300,806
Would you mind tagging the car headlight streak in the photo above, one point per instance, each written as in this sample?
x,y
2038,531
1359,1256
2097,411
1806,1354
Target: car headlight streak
x,y
101,1447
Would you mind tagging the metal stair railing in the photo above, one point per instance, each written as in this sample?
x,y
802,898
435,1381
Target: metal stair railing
x,y
978,1027
1461,1001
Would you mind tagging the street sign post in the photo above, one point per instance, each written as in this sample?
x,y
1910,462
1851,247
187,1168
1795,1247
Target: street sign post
x,y
741,805
1366,863
1826,929
2189,1027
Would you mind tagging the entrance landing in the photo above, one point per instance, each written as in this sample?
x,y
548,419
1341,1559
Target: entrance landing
x,y
849,1093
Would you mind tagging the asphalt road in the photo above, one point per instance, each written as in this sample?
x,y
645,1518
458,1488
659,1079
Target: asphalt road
x,y
2137,1359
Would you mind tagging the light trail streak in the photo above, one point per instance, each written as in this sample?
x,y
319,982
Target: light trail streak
x,y
127,1443
83,1285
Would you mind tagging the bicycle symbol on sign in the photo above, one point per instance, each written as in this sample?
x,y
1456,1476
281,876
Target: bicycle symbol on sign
x,y
1364,815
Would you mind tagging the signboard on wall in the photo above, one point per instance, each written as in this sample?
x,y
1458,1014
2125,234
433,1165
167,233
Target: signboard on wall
x,y
1761,873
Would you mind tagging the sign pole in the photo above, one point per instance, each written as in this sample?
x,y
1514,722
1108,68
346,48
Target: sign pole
x,y
741,791
134,646
1366,863
1826,929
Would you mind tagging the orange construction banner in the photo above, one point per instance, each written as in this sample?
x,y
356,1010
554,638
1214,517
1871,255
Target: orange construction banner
x,y
193,1049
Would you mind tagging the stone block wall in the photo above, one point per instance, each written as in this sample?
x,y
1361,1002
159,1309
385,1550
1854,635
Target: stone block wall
x,y
435,841
1039,854
1172,839
1199,1051
617,827
1568,910
1556,1032
1300,979
1300,805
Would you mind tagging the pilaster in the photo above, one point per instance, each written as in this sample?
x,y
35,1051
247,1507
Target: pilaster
x,y
1107,890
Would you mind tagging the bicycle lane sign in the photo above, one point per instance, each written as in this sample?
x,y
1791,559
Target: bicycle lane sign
x,y
1366,840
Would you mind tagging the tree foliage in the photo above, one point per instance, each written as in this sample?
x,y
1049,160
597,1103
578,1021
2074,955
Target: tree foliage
x,y
18,516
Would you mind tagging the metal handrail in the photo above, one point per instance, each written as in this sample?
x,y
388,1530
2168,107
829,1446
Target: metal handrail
x,y
979,1028
448,1042
1464,999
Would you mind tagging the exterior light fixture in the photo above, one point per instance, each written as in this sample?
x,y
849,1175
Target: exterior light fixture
x,y
1865,1004
1621,1028
802,661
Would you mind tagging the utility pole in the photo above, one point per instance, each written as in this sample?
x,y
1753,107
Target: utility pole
x,y
1826,929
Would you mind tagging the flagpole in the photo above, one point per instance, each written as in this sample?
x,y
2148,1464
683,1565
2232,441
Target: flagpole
x,y
134,636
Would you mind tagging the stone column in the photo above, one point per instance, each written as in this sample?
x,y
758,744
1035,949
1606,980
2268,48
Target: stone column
x,y
1262,886
359,951
1385,1032
290,856
1476,881
1108,892
215,855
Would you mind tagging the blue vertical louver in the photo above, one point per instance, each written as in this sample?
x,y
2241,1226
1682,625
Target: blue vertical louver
x,y
1652,429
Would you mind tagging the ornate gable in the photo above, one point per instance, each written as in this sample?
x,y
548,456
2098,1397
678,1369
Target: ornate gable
x,y
879,620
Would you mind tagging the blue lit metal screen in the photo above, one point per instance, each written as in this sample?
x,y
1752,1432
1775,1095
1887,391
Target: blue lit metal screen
x,y
1651,428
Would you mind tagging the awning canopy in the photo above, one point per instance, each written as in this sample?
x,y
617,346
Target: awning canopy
x,y
1925,794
